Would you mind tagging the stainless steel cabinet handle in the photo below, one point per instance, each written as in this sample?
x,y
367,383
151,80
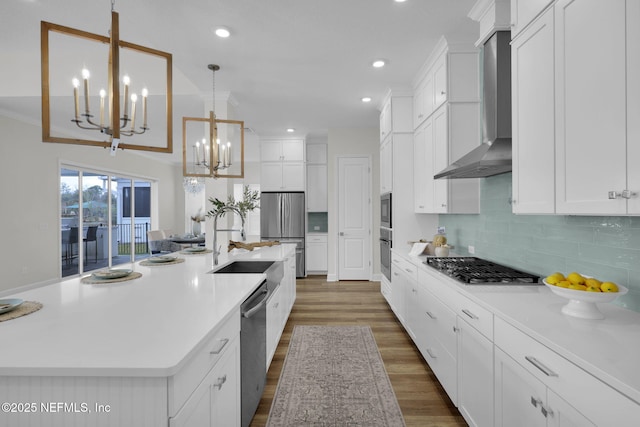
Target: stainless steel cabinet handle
x,y
433,356
442,92
547,412
421,206
535,362
628,194
431,315
224,342
408,270
455,329
220,382
395,274
535,402
470,314
614,194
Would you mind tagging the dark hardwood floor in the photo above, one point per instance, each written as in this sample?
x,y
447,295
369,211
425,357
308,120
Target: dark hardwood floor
x,y
423,401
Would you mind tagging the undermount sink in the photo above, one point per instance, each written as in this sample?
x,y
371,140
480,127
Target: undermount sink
x,y
273,269
245,267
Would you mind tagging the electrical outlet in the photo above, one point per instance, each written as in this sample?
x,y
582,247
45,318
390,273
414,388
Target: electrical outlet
x,y
442,229
316,227
471,249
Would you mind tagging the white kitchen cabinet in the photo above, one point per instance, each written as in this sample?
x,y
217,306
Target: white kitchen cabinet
x,y
282,165
317,153
317,253
573,396
275,313
386,166
395,114
523,400
423,100
448,134
475,364
440,348
216,401
440,87
385,120
591,107
532,59
525,11
403,281
317,190
385,290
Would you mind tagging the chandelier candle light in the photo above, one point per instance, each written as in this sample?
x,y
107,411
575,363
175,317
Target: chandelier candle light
x,y
210,156
109,120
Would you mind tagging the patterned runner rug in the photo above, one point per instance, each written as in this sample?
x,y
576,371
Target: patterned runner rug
x,y
334,376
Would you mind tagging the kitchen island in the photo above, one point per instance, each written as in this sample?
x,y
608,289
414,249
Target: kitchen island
x,y
127,353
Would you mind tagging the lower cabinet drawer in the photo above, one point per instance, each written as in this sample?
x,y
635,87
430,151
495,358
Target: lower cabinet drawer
x,y
444,366
183,383
599,402
478,317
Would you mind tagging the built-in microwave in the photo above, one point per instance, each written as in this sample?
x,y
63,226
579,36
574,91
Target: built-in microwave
x,y
385,210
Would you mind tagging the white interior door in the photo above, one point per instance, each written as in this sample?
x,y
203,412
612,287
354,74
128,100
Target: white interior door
x,y
354,218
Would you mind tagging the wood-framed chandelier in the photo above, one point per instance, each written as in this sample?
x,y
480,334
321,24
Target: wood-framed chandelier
x,y
212,147
118,117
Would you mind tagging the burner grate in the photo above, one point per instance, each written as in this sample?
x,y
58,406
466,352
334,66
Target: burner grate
x,y
473,270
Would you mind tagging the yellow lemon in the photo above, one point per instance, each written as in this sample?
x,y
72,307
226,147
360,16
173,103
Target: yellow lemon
x,y
554,278
563,284
575,278
609,287
592,282
577,287
593,288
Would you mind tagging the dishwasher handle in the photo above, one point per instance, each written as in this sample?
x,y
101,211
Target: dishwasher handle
x,y
256,308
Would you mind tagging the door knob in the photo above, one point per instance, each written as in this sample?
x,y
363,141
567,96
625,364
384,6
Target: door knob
x,y
342,233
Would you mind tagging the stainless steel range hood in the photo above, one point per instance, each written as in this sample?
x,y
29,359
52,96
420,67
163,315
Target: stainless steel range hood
x,y
493,156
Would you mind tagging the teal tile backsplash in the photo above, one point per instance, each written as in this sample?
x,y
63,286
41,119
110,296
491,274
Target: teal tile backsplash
x,y
604,247
317,222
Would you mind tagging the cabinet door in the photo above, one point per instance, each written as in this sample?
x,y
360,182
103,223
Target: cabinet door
x,y
270,151
565,415
317,188
385,120
225,389
633,103
386,167
519,395
523,12
533,118
293,151
273,322
422,168
398,292
475,376
440,81
271,176
293,176
440,159
590,106
317,258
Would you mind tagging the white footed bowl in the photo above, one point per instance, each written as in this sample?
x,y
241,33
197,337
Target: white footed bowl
x,y
582,304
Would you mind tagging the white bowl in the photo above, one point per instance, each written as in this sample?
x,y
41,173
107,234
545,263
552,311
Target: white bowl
x,y
582,304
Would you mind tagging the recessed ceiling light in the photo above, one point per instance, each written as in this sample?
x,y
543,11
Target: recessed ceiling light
x,y
400,1
378,63
290,130
366,99
222,32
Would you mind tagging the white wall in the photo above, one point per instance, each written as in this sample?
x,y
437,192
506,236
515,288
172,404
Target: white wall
x,y
30,193
343,142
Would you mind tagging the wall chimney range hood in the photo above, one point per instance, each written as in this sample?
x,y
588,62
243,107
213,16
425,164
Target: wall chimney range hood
x,y
493,156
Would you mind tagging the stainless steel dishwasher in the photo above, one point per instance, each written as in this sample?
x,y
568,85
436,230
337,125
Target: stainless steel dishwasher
x,y
253,351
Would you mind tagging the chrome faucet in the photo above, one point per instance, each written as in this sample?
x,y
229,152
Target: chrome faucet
x,y
216,248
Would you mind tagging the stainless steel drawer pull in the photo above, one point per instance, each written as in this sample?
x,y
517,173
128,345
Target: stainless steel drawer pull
x,y
431,315
218,350
535,402
535,362
220,382
433,356
546,411
408,270
470,314
455,329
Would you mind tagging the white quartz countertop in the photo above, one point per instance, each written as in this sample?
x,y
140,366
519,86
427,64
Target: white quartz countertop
x,y
608,349
143,327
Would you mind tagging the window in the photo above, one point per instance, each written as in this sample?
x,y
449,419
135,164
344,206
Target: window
x,y
96,225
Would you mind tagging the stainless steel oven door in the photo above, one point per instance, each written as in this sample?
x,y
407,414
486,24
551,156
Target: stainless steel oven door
x,y
385,210
385,253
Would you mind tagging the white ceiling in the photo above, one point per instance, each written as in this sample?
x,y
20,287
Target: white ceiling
x,y
303,64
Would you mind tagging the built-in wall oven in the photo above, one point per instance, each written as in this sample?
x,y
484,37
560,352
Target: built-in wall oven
x,y
385,252
385,210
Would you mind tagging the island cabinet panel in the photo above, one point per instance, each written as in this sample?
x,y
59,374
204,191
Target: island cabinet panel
x,y
69,401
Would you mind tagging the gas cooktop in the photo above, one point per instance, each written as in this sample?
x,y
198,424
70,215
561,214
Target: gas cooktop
x,y
473,270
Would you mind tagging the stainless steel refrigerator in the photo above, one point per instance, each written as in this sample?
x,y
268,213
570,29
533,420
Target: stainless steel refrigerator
x,y
282,218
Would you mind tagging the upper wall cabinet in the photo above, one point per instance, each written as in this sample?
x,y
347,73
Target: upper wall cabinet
x,y
525,11
532,59
596,109
395,115
447,126
317,177
450,74
282,166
